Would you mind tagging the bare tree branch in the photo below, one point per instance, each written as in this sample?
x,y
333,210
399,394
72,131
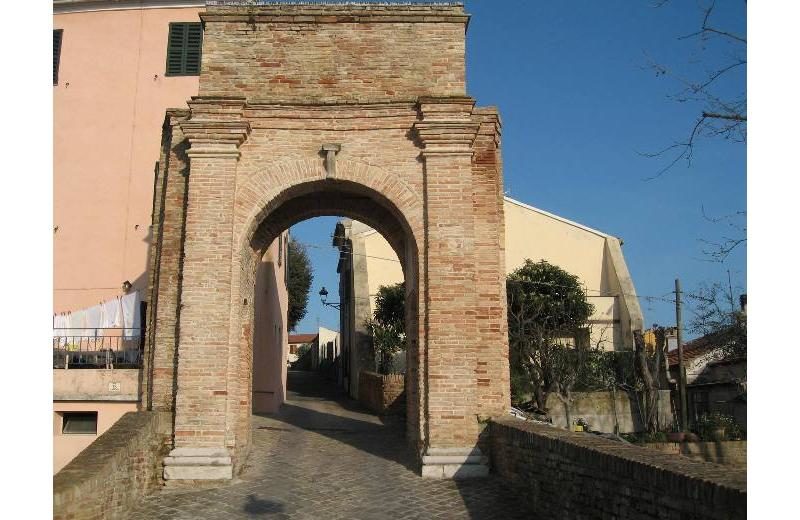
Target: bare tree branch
x,y
725,118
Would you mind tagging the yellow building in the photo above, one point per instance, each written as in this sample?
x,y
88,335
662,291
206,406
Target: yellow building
x,y
595,257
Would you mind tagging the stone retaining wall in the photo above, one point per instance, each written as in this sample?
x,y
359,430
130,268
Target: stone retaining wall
x,y
562,474
383,394
728,453
106,479
598,410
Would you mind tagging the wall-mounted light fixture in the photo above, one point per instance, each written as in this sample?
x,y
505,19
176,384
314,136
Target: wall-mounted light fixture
x,y
323,296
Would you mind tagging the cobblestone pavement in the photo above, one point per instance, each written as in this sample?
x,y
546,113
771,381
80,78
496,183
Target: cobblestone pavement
x,y
323,457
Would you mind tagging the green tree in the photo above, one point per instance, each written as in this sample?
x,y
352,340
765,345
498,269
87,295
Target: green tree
x,y
387,325
299,281
545,305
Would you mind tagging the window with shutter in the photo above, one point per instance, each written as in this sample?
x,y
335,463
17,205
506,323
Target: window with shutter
x,y
184,49
57,34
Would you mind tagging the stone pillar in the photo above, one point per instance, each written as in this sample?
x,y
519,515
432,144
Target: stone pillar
x,y
447,133
215,131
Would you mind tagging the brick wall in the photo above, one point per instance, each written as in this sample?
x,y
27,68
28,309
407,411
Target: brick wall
x,y
115,471
564,474
383,394
330,53
727,453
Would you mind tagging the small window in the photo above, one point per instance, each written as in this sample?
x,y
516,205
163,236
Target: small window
x,y
79,423
184,48
57,35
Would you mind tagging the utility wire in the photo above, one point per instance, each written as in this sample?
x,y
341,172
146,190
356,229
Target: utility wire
x,y
649,298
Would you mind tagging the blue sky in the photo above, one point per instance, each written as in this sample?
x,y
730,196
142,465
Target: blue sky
x,y
578,104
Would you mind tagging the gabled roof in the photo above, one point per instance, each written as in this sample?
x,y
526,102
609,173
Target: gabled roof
x,y
554,216
695,348
302,338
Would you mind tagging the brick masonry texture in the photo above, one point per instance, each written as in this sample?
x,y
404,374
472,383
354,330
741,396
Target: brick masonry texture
x,y
106,479
332,53
418,162
382,394
582,476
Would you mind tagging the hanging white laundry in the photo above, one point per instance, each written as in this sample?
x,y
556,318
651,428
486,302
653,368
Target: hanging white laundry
x,y
130,315
94,319
63,328
58,330
112,314
77,329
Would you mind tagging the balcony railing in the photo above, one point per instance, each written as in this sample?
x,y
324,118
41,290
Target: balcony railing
x,y
98,348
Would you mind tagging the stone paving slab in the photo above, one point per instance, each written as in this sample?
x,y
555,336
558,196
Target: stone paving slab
x,y
324,457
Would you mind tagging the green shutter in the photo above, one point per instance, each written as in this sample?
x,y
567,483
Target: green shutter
x,y
184,48
57,34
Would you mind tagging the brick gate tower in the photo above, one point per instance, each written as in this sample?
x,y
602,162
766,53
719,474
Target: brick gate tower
x,y
303,110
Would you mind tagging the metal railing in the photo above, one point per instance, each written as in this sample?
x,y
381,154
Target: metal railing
x,y
98,348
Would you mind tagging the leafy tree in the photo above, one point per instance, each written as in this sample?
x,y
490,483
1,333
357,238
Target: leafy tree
x,y
387,325
545,305
300,277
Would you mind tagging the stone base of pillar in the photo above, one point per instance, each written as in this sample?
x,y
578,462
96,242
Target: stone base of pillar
x,y
198,464
455,463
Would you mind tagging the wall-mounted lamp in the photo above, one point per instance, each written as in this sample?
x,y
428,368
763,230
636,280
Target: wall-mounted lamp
x,y
126,286
323,296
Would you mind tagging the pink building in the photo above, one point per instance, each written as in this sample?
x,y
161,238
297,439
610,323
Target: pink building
x,y
117,66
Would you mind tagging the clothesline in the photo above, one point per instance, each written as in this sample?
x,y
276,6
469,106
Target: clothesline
x,y
121,312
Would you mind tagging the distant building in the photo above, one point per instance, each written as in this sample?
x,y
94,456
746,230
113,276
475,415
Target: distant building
x,y
367,261
716,378
326,350
714,382
298,340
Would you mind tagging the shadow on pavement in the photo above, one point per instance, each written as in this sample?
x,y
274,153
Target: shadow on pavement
x,y
259,507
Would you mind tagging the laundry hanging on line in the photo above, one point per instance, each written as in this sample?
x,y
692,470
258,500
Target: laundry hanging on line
x,y
116,313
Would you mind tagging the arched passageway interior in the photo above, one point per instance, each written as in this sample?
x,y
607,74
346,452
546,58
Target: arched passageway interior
x,y
267,348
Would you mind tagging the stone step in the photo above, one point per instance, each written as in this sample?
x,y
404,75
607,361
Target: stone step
x,y
454,471
454,451
199,452
198,472
454,459
197,461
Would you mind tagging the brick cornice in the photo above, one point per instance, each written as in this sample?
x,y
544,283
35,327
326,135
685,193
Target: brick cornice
x,y
214,138
447,126
447,137
317,13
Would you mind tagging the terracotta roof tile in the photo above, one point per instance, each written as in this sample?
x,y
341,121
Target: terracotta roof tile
x,y
302,338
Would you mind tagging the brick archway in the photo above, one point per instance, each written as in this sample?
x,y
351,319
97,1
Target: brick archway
x,y
415,159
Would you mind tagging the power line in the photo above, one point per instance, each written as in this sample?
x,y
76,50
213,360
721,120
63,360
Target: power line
x,y
649,298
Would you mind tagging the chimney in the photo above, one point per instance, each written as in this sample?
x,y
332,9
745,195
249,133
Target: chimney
x,y
743,302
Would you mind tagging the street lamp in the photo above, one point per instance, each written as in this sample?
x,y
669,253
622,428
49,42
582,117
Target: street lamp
x,y
323,296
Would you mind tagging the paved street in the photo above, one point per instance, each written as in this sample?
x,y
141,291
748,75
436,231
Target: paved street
x,y
324,457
